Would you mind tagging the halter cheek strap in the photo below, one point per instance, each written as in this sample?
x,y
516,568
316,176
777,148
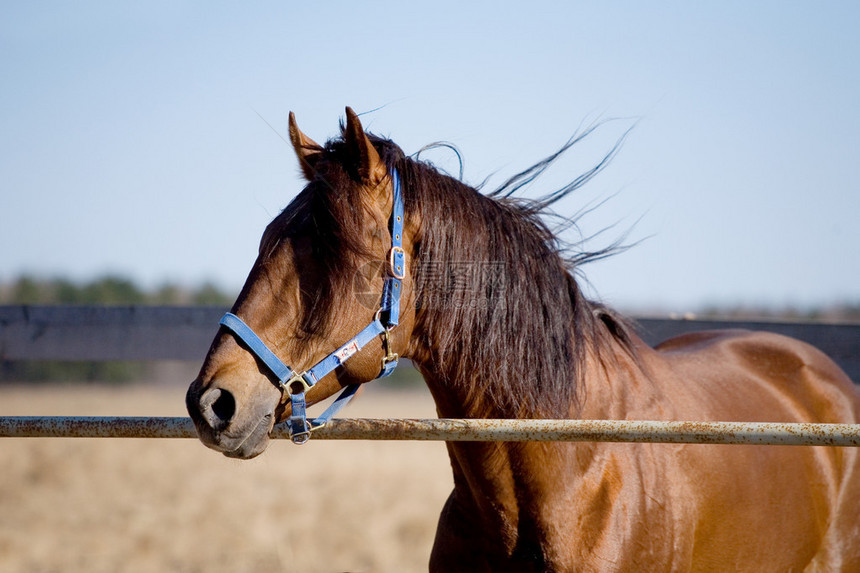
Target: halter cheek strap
x,y
295,385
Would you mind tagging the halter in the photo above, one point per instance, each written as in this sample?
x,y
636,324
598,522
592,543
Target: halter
x,y
295,385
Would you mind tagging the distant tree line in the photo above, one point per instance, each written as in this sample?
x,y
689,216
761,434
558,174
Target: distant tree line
x,y
108,289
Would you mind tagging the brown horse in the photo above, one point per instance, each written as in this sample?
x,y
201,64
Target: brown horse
x,y
494,320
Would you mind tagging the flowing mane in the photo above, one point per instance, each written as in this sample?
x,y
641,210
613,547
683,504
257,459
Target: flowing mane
x,y
491,279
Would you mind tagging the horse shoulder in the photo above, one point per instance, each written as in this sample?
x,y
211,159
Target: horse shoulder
x,y
756,376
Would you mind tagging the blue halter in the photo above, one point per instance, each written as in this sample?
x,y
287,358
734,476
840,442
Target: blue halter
x,y
295,385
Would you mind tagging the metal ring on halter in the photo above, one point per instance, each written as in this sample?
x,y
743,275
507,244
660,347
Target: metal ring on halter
x,y
300,438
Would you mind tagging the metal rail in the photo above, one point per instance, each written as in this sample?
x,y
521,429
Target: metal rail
x,y
795,434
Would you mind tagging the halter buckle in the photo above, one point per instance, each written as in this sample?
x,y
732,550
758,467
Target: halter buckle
x,y
397,262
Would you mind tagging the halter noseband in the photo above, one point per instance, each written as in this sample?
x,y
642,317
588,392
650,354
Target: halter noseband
x,y
295,385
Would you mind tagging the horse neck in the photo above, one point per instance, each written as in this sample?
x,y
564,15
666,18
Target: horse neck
x,y
508,491
537,350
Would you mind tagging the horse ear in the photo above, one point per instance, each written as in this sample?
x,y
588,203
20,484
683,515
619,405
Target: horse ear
x,y
370,166
306,148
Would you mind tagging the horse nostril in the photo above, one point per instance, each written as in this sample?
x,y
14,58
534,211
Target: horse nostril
x,y
218,407
225,406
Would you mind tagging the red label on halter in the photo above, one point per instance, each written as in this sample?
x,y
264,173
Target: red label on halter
x,y
346,351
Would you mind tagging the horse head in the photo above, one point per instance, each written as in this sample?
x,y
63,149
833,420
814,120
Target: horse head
x,y
323,265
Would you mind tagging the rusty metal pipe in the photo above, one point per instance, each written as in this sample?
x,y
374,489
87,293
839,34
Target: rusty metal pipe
x,y
596,431
95,427
797,434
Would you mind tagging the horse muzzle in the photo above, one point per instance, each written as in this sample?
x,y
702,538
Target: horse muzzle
x,y
236,429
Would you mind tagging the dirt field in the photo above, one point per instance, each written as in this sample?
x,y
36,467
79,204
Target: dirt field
x,y
173,505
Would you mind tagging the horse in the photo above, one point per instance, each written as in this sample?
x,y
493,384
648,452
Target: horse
x,y
491,314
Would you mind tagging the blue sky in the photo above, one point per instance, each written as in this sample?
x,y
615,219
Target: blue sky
x,y
146,139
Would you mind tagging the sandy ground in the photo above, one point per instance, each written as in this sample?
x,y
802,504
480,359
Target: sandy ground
x,y
172,505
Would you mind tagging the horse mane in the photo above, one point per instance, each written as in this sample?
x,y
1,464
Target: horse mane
x,y
500,311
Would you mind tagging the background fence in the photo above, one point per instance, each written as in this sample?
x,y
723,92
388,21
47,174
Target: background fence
x,y
104,333
99,333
